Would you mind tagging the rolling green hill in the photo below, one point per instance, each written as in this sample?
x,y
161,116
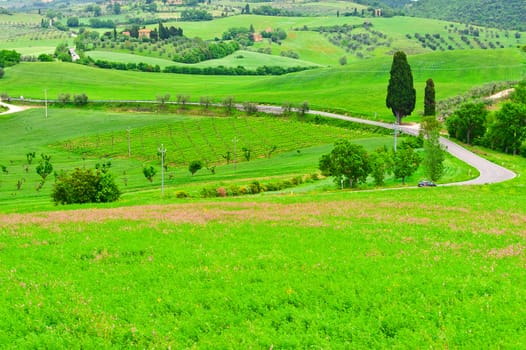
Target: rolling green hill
x,y
502,14
358,88
248,59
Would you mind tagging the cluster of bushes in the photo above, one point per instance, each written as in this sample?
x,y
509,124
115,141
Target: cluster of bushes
x,y
504,130
202,51
242,35
350,164
290,54
9,58
256,187
85,186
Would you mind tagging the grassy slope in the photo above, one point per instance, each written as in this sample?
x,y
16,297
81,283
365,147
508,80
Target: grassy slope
x,y
406,269
247,59
77,138
358,88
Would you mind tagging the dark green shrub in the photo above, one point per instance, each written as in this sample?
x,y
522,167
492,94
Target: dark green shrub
x,y
80,100
254,187
149,172
85,186
44,57
195,166
181,194
522,150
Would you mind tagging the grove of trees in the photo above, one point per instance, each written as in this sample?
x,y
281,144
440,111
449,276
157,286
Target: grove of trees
x,y
503,130
350,163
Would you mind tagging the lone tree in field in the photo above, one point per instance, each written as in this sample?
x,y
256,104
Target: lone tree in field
x,y
149,172
44,167
195,166
347,161
429,98
401,95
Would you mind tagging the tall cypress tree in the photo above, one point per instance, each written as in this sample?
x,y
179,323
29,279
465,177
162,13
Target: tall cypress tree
x,y
429,98
401,95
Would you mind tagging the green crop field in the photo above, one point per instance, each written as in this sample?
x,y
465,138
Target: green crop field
x,y
280,148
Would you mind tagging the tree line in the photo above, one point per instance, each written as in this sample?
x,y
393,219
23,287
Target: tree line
x,y
218,70
503,130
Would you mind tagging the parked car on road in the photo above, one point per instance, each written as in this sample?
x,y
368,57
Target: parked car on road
x,y
426,183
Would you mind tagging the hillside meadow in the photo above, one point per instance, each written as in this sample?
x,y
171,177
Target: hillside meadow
x,y
413,268
308,267
358,88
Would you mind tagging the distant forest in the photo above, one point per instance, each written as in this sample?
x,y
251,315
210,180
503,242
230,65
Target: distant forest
x,y
500,14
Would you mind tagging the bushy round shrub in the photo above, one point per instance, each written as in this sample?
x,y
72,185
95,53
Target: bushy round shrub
x,y
85,186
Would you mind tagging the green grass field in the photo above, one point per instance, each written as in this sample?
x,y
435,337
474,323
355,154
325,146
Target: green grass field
x,y
309,267
358,88
405,269
402,268
247,59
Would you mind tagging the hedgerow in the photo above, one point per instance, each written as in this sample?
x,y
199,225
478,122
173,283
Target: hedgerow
x,y
255,187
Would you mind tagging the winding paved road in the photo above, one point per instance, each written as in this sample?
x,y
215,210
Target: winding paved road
x,y
12,108
489,172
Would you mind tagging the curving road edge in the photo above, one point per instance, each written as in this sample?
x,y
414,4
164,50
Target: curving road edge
x,y
489,171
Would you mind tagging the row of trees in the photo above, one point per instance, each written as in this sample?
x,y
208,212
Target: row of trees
x,y
350,163
218,70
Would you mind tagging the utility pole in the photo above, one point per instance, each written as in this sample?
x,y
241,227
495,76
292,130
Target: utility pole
x,y
129,143
162,150
45,100
235,143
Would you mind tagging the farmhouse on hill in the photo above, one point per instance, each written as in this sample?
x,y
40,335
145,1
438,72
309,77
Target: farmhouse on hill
x,y
257,37
73,54
144,33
